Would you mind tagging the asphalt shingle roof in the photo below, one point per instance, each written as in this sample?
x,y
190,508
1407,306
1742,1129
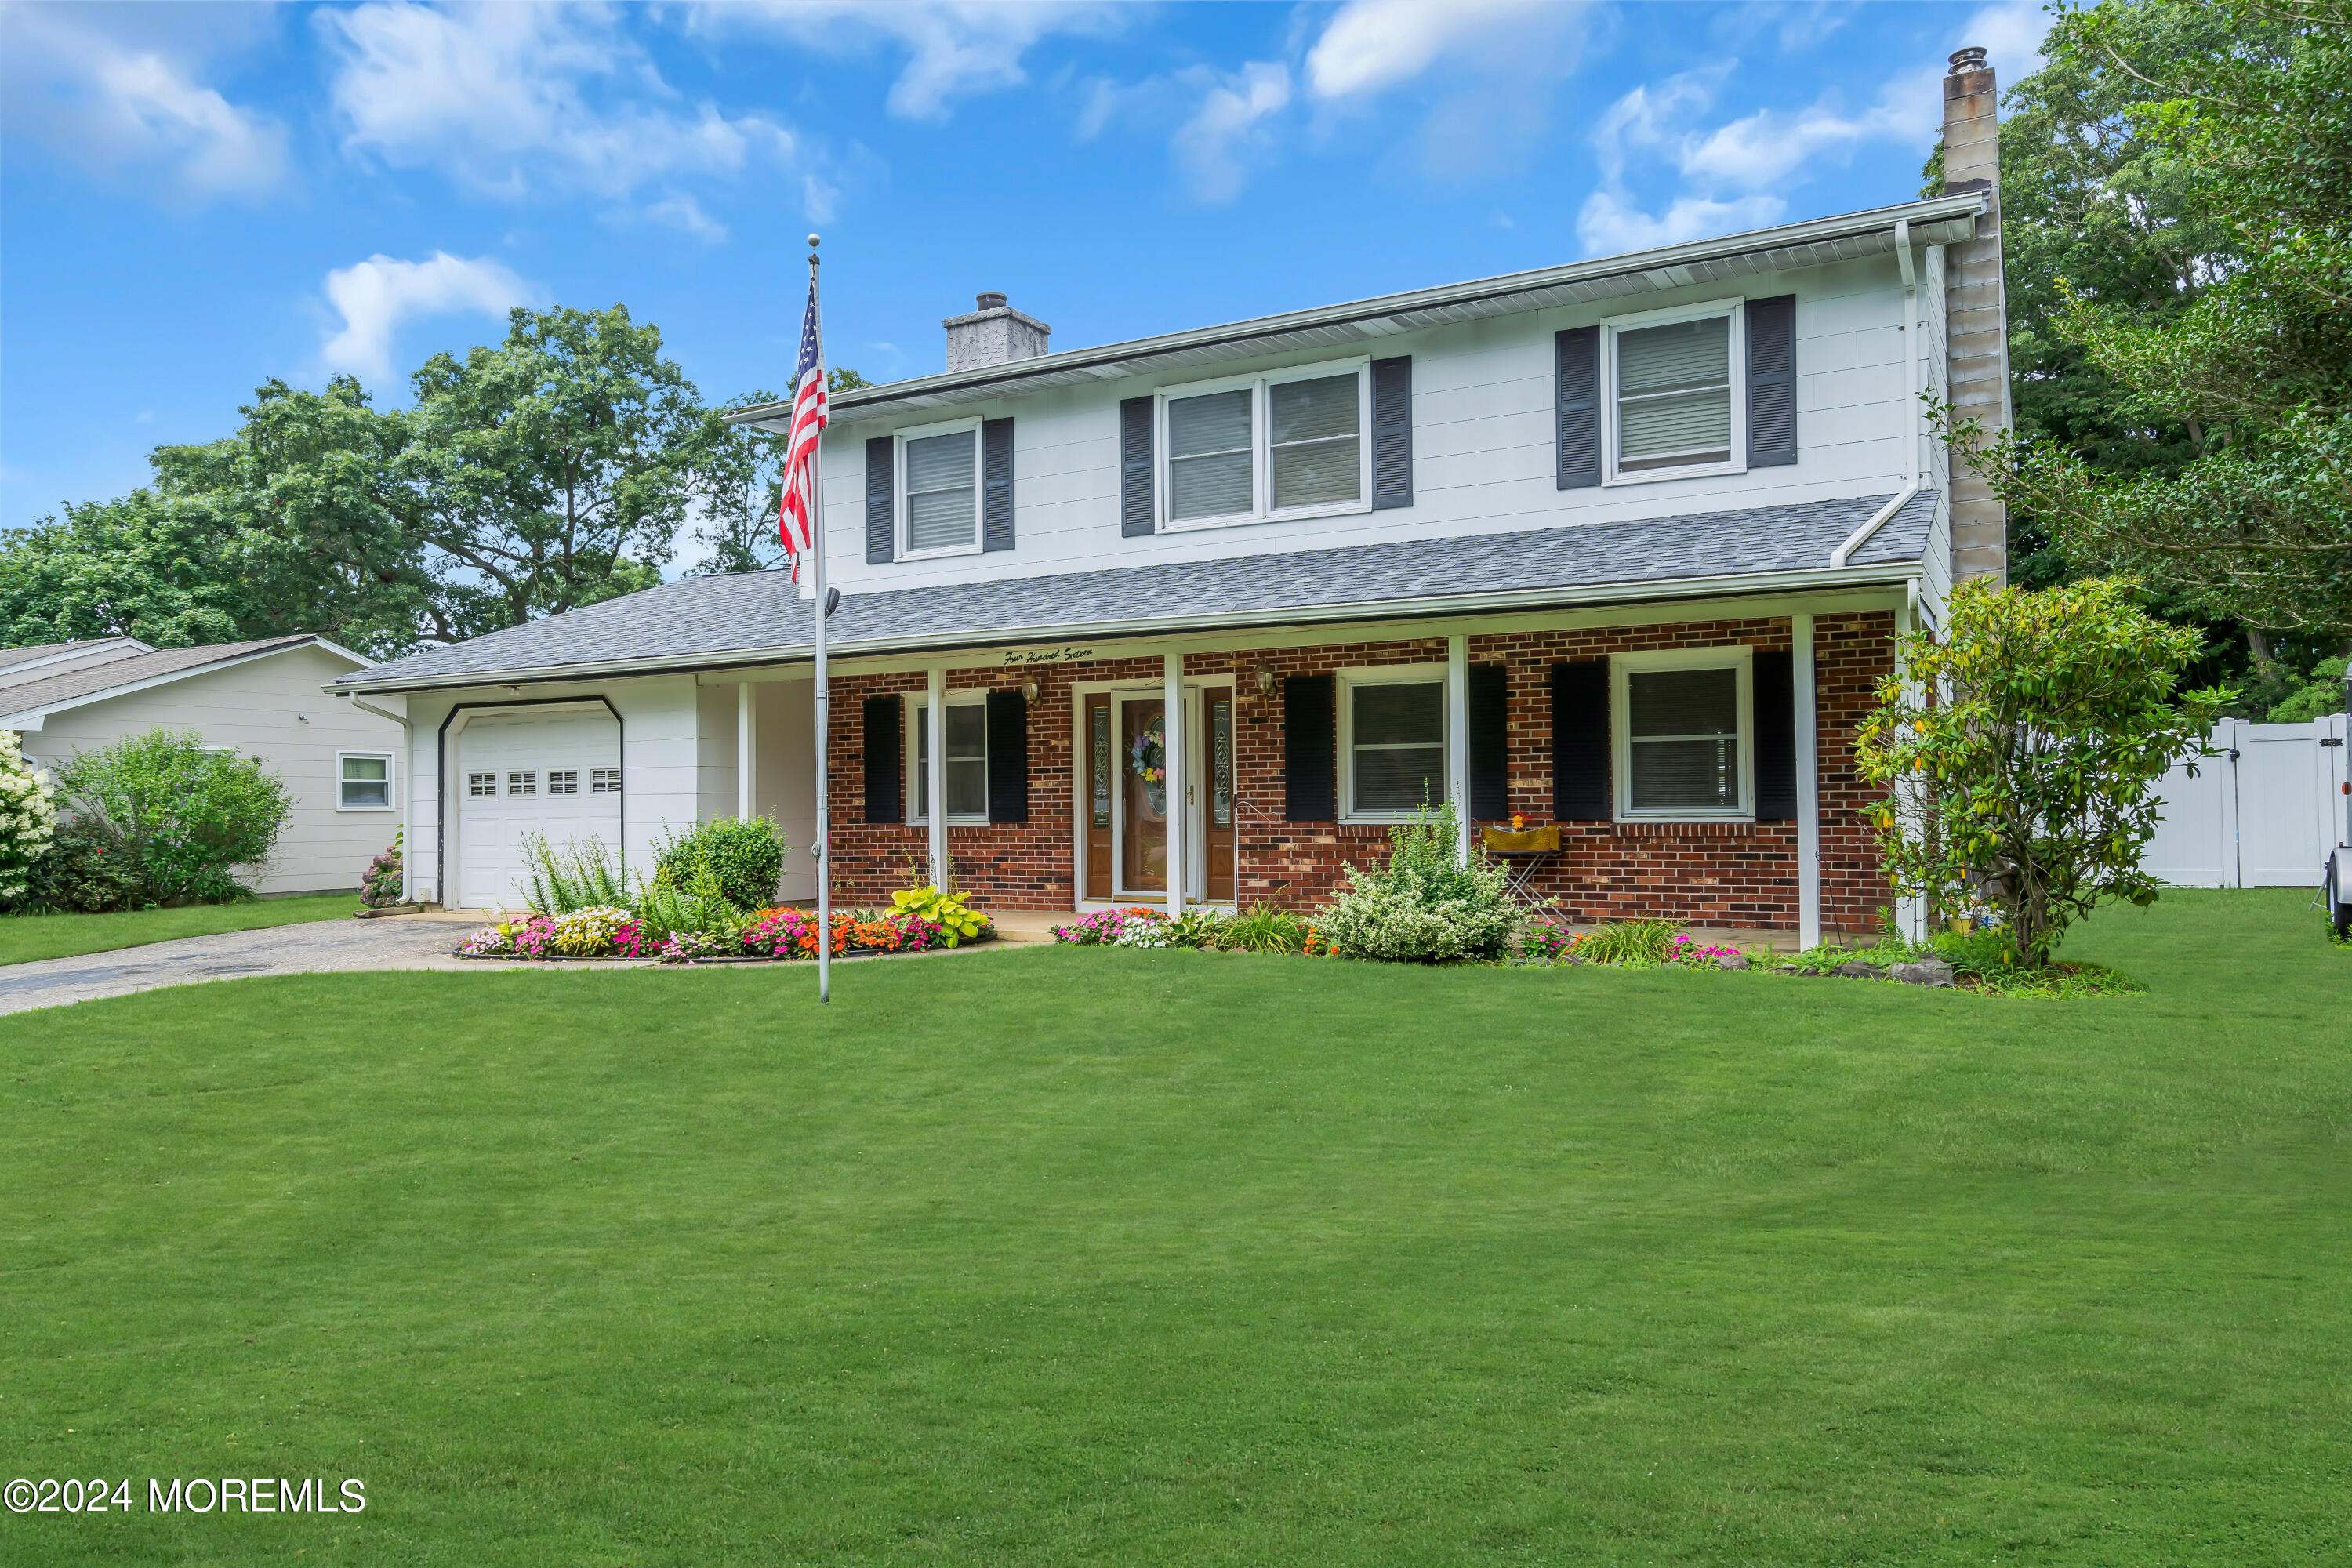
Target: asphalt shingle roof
x,y
707,621
95,677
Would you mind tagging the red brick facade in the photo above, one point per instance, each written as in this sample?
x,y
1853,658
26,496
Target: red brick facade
x,y
1733,874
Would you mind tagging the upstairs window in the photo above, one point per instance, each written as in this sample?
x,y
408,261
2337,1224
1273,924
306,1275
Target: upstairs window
x,y
941,480
1289,443
1671,399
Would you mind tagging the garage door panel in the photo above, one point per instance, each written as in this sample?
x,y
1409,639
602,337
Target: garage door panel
x,y
525,774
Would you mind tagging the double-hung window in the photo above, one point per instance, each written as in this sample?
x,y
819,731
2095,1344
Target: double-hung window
x,y
1672,404
364,781
1686,734
939,478
967,758
1391,742
1289,443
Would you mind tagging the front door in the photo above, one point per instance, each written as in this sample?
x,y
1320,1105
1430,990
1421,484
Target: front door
x,y
1144,795
1128,796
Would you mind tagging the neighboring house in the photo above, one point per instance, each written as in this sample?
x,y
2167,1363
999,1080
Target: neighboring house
x,y
1622,545
262,699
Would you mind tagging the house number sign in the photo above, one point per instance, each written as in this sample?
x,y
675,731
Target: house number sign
x,y
1048,654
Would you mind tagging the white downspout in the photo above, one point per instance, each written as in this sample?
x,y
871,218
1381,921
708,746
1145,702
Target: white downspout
x,y
408,783
935,773
1808,783
1913,465
1457,741
1178,790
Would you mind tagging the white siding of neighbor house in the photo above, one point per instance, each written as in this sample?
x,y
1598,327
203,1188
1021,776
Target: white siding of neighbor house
x,y
1483,458
252,707
660,762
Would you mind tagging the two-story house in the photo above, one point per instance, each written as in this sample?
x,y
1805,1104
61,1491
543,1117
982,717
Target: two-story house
x,y
1621,546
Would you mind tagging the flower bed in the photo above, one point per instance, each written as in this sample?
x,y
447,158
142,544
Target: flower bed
x,y
775,934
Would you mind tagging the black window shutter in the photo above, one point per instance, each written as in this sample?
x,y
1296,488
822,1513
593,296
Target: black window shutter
x,y
881,521
1391,432
1774,674
1579,741
1135,510
1490,742
996,484
1008,756
886,778
1309,739
1576,355
1772,382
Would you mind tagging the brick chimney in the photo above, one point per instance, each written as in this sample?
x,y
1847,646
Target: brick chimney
x,y
1976,303
994,333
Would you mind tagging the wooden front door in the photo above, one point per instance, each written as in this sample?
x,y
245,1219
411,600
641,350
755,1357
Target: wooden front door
x,y
1145,800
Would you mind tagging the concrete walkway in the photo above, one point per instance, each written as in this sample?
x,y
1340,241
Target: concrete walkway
x,y
396,941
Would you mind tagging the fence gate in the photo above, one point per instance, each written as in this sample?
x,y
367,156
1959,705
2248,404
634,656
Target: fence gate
x,y
2263,814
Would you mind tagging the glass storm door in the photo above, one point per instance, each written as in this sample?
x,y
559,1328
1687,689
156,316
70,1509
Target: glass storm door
x,y
1143,825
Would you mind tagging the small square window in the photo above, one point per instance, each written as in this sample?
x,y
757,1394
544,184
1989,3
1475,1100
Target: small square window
x,y
563,781
481,784
365,784
604,781
522,783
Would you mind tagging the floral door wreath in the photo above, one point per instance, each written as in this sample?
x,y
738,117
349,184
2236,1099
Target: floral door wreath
x,y
1148,754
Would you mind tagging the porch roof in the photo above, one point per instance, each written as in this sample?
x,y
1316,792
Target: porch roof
x,y
758,618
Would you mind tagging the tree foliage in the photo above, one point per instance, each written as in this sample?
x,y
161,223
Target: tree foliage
x,y
179,819
2186,234
2018,751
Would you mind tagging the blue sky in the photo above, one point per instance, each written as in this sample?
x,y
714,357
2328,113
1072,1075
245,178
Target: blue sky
x,y
194,198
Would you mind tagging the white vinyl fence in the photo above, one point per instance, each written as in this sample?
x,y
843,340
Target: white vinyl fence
x,y
2263,814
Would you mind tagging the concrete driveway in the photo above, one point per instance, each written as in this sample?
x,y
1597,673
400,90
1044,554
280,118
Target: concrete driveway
x,y
395,942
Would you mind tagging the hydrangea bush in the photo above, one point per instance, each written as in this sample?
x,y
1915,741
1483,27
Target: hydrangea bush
x,y
28,817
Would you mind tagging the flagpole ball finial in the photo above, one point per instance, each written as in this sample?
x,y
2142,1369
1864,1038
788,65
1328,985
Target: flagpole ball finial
x,y
813,239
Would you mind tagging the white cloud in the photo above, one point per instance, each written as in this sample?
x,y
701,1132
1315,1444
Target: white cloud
x,y
1609,222
116,102
683,212
505,99
1211,147
379,294
954,47
1375,44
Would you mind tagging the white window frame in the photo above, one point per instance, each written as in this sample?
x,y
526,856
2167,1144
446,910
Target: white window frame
x,y
906,502
1737,369
916,702
473,782
1390,675
516,790
390,799
603,781
1262,508
1622,668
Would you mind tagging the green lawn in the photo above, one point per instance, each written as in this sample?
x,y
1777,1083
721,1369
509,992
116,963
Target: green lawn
x,y
27,937
1057,1257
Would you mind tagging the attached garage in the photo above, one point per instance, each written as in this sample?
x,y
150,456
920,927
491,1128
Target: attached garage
x,y
552,771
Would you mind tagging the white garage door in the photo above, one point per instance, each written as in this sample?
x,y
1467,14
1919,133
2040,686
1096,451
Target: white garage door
x,y
554,773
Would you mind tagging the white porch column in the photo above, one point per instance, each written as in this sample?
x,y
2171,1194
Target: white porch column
x,y
1179,792
935,773
1910,913
746,748
1457,739
1809,783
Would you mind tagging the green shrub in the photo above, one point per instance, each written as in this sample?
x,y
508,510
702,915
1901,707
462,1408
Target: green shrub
x,y
181,818
1264,929
745,854
583,874
85,870
2323,696
1198,928
1427,905
1629,941
382,886
699,907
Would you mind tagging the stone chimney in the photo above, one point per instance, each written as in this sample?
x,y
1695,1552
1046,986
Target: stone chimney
x,y
1976,303
994,333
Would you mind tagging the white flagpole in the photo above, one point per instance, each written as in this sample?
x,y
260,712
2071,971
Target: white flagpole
x,y
824,715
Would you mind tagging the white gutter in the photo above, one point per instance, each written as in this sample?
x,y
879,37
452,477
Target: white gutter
x,y
1860,536
1727,585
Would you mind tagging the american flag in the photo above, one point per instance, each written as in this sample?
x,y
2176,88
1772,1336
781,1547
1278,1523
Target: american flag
x,y
796,516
